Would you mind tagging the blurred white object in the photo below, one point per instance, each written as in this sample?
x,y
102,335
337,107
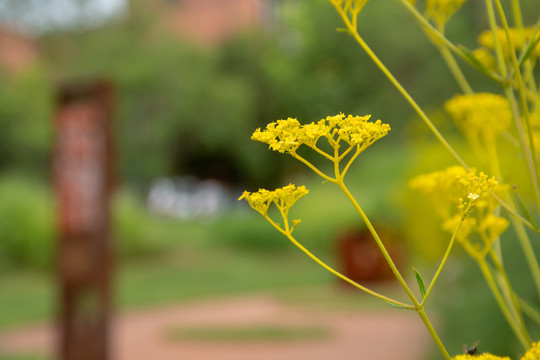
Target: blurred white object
x,y
186,197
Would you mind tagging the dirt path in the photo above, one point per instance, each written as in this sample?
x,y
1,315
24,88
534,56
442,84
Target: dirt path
x,y
146,334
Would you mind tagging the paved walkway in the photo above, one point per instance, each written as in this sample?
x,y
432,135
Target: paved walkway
x,y
146,334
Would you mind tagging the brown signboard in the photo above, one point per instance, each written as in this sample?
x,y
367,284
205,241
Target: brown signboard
x,y
82,175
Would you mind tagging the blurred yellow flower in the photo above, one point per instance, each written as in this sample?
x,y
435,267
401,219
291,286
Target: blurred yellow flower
x,y
533,353
519,39
442,188
480,113
442,10
455,186
485,56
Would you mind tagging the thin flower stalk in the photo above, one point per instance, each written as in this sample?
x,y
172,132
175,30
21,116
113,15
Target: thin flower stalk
x,y
523,96
413,104
520,333
283,199
286,136
443,262
398,86
345,278
530,157
507,289
438,36
528,251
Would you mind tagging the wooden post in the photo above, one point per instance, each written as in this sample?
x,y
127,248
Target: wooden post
x,y
82,176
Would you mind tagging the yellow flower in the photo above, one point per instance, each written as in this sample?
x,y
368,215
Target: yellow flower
x,y
281,135
467,227
533,353
442,188
283,198
455,186
519,39
484,356
476,186
286,136
442,10
493,226
486,58
481,113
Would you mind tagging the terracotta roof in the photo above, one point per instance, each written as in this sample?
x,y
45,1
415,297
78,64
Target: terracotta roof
x,y
17,51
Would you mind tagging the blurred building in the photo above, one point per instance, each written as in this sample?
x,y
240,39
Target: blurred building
x,y
17,50
212,21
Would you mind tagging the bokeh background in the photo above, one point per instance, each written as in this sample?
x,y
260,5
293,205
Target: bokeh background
x,y
193,79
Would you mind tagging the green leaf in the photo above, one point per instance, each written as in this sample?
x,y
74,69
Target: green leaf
x,y
524,211
420,282
396,305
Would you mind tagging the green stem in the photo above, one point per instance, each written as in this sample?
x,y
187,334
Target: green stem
x,y
528,149
417,306
379,242
518,19
312,167
429,29
400,88
415,106
349,163
528,251
512,211
455,70
523,337
323,153
343,277
505,284
443,262
531,312
433,334
288,233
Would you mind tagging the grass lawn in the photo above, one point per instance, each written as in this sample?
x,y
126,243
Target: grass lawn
x,y
250,333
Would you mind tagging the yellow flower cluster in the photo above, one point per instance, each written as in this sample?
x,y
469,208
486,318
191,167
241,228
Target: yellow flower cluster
x,y
480,114
475,187
286,136
442,10
283,198
533,353
455,185
519,39
484,356
442,188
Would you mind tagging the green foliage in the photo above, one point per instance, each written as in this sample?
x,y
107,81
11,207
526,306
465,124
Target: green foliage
x,y
249,233
20,357
26,104
132,228
27,234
